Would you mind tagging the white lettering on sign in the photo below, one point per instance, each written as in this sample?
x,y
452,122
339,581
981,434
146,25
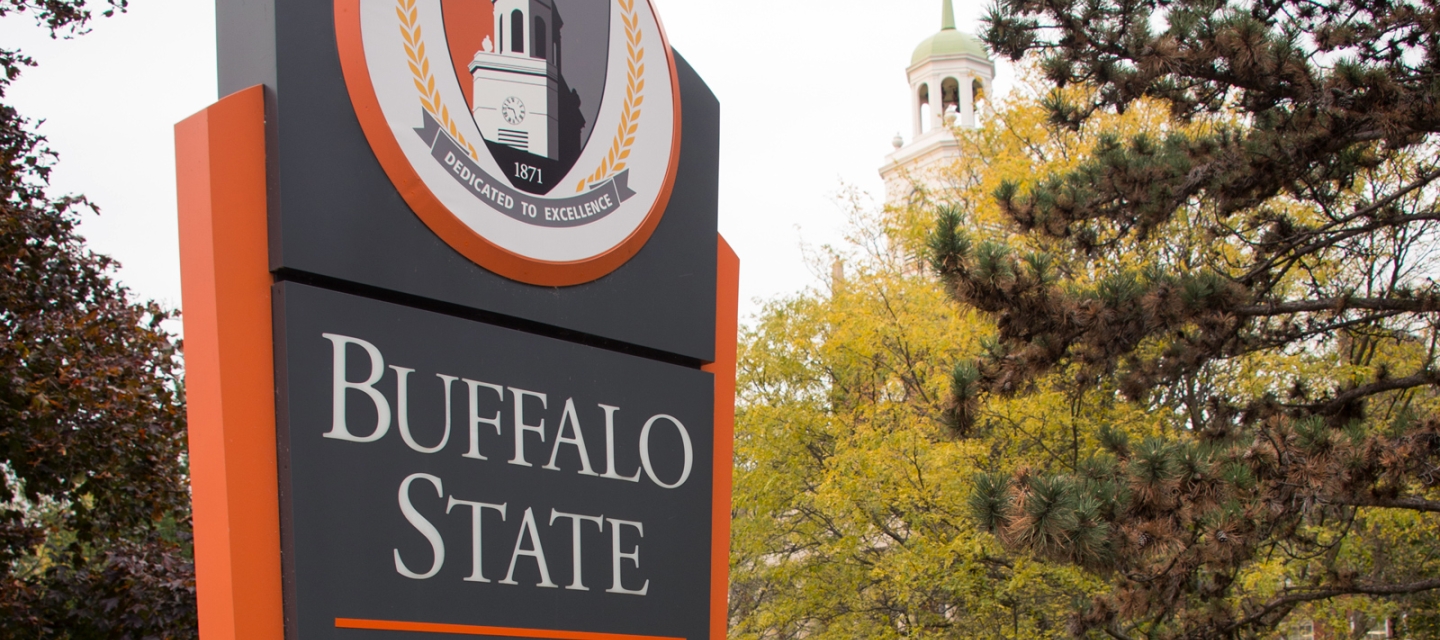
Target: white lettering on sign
x,y
689,457
476,420
339,427
402,409
577,582
617,556
478,184
589,209
610,447
578,441
528,425
487,407
477,517
521,427
432,535
536,551
527,542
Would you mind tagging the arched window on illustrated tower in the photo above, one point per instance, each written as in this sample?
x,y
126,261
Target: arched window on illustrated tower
x,y
922,110
517,31
539,39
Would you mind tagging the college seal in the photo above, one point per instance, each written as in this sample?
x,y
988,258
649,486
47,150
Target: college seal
x,y
539,138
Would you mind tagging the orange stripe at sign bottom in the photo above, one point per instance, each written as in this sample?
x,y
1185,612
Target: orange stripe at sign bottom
x,y
472,630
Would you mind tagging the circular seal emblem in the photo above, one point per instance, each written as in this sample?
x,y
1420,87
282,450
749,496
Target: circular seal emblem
x,y
539,138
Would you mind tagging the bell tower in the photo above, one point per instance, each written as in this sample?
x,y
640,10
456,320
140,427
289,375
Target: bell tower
x,y
517,78
949,73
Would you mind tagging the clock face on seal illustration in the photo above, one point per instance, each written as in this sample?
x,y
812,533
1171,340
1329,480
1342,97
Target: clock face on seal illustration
x,y
547,164
513,110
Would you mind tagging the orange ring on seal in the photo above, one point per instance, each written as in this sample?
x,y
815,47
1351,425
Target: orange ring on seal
x,y
438,217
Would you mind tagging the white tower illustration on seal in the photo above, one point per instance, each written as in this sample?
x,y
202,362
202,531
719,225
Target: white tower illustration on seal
x,y
948,73
517,78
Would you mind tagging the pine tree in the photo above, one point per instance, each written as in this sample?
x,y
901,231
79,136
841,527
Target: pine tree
x,y
1262,271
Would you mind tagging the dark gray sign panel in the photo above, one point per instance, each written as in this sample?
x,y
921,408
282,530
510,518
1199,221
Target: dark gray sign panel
x,y
338,221
437,470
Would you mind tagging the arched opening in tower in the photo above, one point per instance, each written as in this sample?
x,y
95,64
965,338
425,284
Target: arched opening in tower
x,y
950,99
980,97
923,115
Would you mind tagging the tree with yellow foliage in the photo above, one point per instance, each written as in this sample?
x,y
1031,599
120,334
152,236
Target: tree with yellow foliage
x,y
852,490
850,497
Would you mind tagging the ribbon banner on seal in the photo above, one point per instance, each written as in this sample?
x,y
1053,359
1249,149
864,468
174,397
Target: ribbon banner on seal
x,y
576,211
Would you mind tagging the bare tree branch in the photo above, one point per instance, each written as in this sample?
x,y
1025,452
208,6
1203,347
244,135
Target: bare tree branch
x,y
1333,405
1412,504
1325,594
1427,303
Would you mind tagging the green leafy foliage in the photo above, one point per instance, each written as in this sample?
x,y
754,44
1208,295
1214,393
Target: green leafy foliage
x,y
851,495
1239,208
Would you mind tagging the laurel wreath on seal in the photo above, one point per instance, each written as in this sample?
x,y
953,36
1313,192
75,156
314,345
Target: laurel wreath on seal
x,y
420,69
614,162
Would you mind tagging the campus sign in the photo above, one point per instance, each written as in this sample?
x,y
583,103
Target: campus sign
x,y
459,327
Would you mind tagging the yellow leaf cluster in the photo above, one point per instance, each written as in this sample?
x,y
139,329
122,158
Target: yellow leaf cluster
x,y
851,498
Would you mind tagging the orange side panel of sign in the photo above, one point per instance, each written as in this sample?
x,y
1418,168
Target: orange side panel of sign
x,y
229,367
727,324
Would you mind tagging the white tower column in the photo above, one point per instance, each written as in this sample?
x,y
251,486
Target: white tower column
x,y
917,109
937,103
967,100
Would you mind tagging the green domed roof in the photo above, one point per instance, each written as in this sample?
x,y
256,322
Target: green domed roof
x,y
949,41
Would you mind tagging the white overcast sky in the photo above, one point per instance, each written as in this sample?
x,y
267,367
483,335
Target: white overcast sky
x,y
811,93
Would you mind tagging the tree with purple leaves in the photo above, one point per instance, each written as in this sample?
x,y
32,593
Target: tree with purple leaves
x,y
94,506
